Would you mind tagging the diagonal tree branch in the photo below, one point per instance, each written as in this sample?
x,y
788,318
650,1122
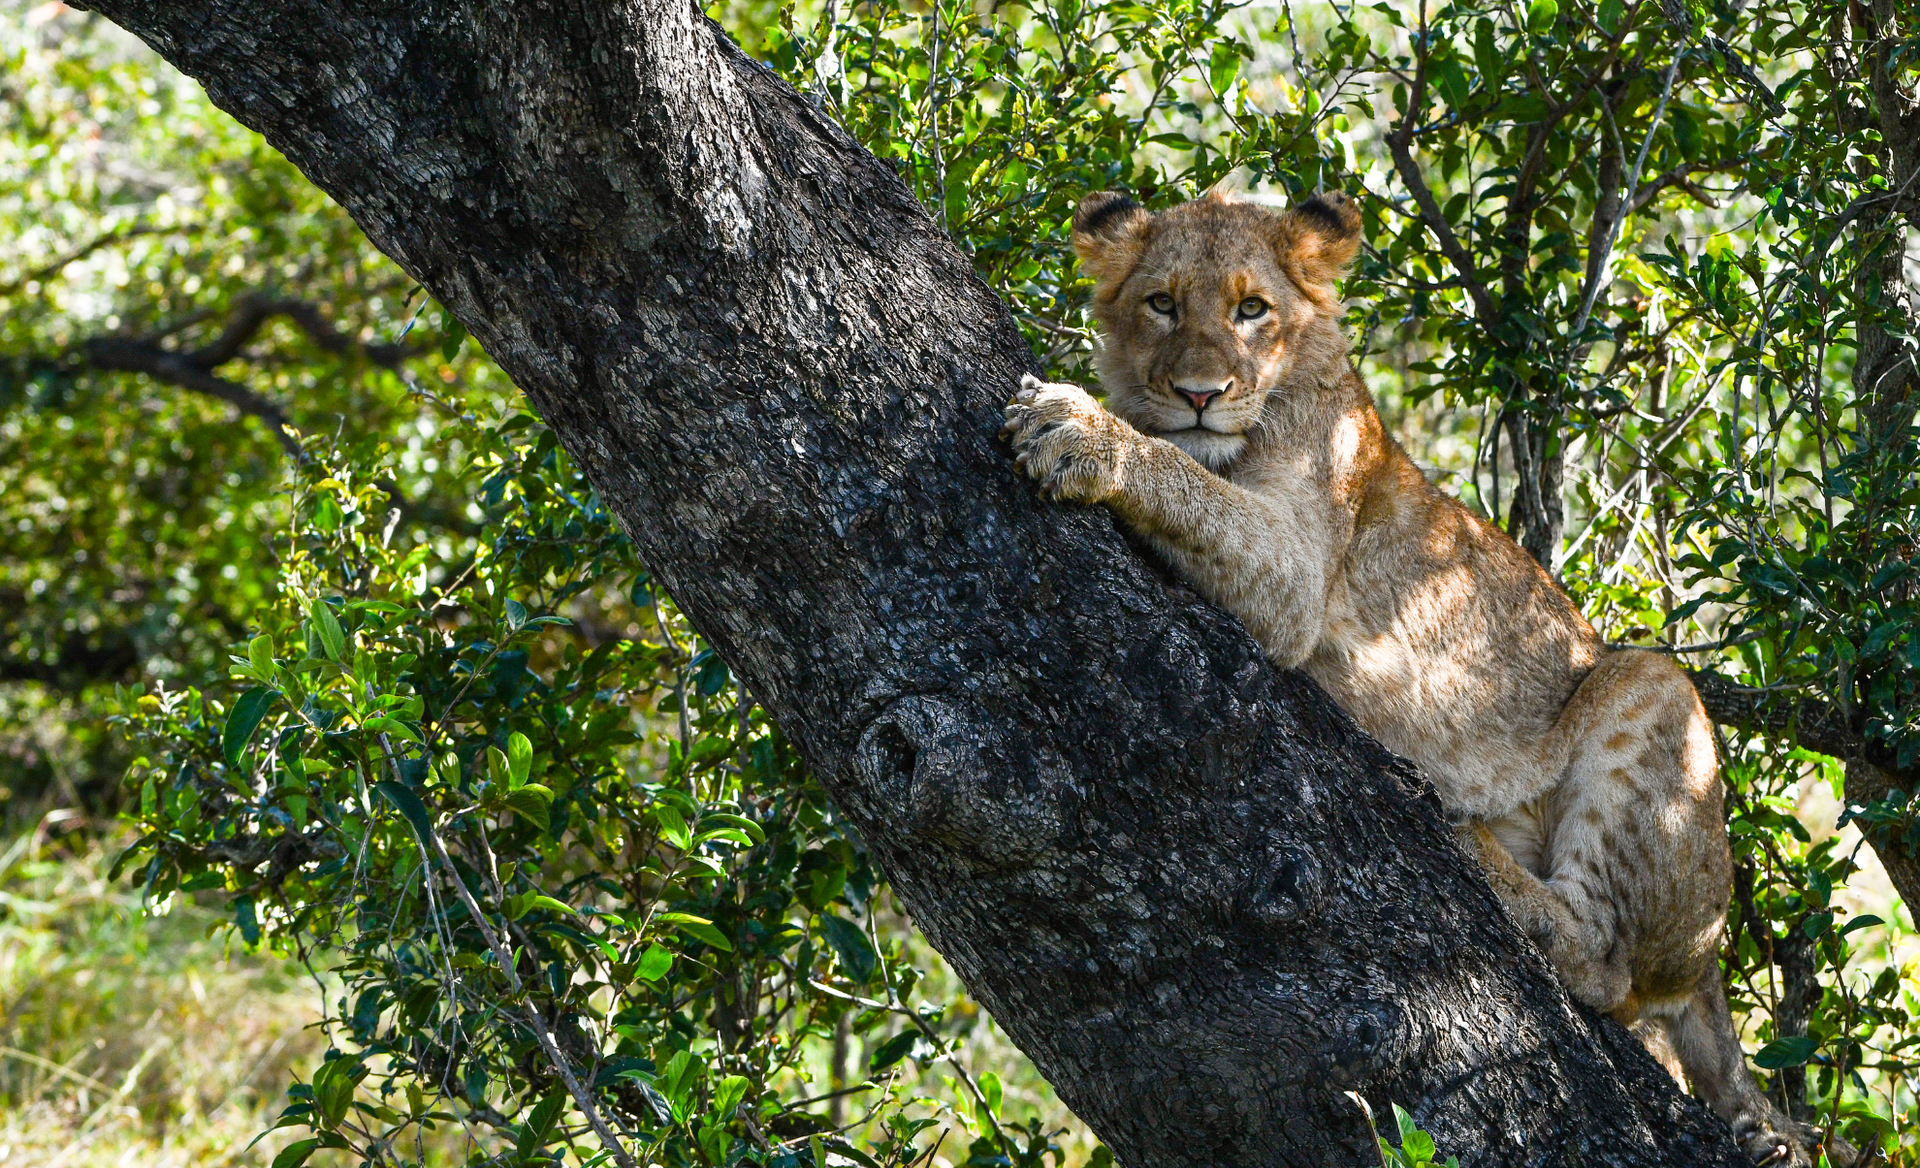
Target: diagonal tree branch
x,y
194,370
1872,773
1808,721
1399,144
251,312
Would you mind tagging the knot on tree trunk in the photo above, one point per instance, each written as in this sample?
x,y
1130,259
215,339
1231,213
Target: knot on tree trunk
x,y
1290,891
947,769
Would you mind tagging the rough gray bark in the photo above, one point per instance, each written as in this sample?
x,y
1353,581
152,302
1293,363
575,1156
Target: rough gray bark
x,y
1886,377
1200,899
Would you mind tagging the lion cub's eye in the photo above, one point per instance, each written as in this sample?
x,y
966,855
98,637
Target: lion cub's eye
x,y
1161,303
1252,308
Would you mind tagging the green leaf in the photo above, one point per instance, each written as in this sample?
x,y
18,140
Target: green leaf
x,y
246,920
843,1148
455,334
699,928
851,946
296,1153
332,640
260,656
677,1076
1540,16
1612,13
1486,53
1453,82
728,1094
326,513
893,1050
629,1067
583,939
532,803
1785,1052
1686,132
387,724
1223,66
1864,921
333,1086
673,828
243,720
654,963
539,1126
1411,1136
1817,924
516,614
519,758
408,804
740,821
708,749
990,1088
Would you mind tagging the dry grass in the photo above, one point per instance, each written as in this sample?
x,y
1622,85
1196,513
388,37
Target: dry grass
x,y
133,1040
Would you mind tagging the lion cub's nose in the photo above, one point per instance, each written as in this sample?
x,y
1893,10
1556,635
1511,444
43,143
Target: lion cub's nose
x,y
1200,395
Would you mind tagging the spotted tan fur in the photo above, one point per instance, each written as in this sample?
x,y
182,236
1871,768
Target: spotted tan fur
x,y
1239,441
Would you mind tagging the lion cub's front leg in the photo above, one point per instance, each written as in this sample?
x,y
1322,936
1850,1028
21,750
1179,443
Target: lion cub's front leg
x,y
1264,558
1066,441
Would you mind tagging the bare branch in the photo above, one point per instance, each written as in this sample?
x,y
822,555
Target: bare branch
x,y
1679,176
1399,143
53,266
253,311
1597,272
130,355
194,369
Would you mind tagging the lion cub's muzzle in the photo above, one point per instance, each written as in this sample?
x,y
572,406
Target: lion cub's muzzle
x,y
1201,392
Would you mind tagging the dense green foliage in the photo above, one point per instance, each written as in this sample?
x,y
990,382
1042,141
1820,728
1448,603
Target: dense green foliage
x,y
135,517
408,700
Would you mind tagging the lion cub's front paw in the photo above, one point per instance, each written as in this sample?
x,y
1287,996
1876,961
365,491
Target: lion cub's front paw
x,y
1065,440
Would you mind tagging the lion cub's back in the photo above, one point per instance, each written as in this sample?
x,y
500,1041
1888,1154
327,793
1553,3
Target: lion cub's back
x,y
1449,644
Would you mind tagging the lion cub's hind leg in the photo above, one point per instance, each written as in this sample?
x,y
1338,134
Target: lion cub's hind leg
x,y
1716,1067
1578,945
1626,875
1635,841
1635,853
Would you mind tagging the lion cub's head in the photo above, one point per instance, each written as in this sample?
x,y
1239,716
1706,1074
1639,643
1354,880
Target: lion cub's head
x,y
1206,307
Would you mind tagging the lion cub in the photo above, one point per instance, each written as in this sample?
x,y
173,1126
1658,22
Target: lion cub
x,y
1239,441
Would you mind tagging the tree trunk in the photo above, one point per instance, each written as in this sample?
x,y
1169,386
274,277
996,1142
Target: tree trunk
x,y
1886,379
1198,897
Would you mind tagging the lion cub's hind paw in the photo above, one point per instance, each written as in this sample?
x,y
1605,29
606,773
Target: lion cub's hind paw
x,y
1798,1146
1768,1148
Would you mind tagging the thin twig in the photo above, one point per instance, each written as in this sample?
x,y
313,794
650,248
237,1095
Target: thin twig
x,y
1600,272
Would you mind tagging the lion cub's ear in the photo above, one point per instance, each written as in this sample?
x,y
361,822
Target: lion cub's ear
x,y
1109,229
1319,240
